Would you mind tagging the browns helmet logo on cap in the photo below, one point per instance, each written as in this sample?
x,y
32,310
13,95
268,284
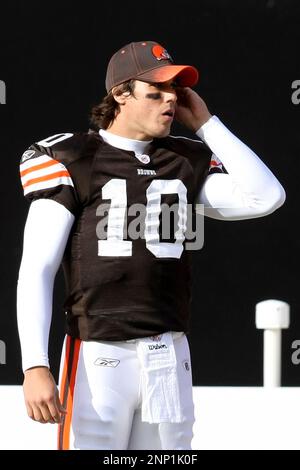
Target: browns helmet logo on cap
x,y
160,53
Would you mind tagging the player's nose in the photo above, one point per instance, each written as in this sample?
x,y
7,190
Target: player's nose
x,y
170,96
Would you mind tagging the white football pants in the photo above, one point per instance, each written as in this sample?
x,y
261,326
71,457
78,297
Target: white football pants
x,y
100,386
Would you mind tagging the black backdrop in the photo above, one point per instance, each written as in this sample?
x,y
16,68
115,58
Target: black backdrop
x,y
53,59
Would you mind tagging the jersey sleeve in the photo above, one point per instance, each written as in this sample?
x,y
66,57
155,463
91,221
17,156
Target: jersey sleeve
x,y
46,171
198,155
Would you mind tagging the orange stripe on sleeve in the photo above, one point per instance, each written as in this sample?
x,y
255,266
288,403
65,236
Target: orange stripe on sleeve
x,y
46,178
39,167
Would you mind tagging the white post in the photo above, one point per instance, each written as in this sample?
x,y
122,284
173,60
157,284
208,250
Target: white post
x,y
272,316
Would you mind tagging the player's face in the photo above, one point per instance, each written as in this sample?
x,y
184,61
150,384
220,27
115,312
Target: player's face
x,y
150,110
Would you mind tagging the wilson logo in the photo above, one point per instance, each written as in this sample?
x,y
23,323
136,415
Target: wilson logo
x,y
157,346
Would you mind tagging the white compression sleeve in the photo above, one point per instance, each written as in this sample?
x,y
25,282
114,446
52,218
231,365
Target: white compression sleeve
x,y
46,234
248,190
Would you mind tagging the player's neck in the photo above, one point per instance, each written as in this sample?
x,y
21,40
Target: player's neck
x,y
121,128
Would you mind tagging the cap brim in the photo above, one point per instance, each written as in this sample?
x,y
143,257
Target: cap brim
x,y
186,75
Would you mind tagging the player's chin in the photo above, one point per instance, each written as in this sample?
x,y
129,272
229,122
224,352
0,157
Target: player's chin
x,y
163,131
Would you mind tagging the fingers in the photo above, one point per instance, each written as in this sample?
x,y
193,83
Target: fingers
x,y
41,414
49,411
29,410
56,410
53,414
41,396
60,407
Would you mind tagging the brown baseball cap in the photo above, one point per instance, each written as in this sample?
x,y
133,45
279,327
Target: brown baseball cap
x,y
147,61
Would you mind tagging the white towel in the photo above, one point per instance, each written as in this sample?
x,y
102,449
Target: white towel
x,y
160,389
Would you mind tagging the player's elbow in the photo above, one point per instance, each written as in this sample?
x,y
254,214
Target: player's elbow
x,y
279,197
248,206
271,200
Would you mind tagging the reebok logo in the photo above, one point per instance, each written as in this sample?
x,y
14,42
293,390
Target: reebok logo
x,y
28,154
106,362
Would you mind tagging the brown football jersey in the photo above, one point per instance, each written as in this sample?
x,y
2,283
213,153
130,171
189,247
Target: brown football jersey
x,y
121,286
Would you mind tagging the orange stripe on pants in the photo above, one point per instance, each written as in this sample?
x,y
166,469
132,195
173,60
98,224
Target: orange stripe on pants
x,y
67,390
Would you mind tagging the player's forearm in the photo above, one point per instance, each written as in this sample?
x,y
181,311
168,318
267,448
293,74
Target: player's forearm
x,y
251,178
46,233
34,311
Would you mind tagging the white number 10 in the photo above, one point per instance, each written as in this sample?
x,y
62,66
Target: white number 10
x,y
114,245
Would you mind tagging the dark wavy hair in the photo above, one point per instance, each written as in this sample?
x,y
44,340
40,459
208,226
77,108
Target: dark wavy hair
x,y
103,114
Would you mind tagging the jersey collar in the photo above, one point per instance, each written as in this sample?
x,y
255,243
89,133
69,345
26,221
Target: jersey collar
x,y
131,145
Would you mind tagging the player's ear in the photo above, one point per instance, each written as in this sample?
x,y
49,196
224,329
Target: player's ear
x,y
120,97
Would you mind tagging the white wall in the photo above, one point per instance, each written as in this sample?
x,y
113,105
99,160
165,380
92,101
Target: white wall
x,y
226,418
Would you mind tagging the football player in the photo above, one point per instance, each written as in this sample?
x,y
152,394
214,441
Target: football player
x,y
125,379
